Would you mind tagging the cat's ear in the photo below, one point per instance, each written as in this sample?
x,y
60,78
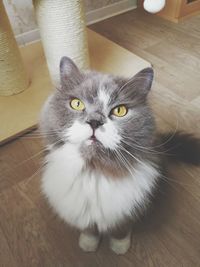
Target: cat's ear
x,y
140,84
144,79
70,75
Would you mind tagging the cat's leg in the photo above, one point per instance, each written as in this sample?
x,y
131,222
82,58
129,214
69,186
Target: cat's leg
x,y
89,240
121,246
120,240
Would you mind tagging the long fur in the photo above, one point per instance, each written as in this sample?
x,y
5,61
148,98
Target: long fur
x,y
106,182
182,147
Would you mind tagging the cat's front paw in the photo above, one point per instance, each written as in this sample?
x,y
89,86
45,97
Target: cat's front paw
x,y
120,246
88,242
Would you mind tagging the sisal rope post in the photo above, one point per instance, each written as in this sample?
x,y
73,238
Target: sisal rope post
x,y
13,77
63,33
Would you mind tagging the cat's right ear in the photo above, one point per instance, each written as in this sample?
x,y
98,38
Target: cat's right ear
x,y
70,75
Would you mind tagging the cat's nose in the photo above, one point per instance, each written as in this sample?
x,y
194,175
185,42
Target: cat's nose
x,y
94,124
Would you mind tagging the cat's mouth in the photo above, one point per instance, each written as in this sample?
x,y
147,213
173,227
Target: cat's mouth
x,y
94,141
93,138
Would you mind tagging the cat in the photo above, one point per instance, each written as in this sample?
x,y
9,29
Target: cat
x,y
104,158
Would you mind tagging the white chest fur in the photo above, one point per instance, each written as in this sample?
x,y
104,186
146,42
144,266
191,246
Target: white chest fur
x,y
83,198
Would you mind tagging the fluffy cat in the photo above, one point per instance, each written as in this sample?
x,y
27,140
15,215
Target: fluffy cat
x,y
103,163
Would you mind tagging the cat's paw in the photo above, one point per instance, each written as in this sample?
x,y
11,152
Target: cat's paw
x,y
88,242
120,246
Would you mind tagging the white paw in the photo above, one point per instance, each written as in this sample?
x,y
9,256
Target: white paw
x,y
120,246
88,242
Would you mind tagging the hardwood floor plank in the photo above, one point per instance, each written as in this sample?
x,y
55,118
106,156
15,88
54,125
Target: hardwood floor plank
x,y
6,256
19,160
177,57
185,116
173,53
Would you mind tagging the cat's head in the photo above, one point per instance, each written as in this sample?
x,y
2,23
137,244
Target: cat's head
x,y
100,113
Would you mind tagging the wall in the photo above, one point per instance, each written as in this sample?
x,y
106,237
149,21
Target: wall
x,y
21,14
95,4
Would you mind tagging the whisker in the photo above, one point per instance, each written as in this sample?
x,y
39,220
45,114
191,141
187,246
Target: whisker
x,y
125,162
122,148
142,149
32,157
119,159
156,146
162,176
34,174
40,133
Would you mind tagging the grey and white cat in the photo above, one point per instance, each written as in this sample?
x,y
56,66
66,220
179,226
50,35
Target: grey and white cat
x,y
101,169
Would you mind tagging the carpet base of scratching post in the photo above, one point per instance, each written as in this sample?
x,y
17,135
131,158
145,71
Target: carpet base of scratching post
x,y
19,113
63,33
12,72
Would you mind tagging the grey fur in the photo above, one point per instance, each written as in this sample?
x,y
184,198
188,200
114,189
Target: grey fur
x,y
138,131
139,139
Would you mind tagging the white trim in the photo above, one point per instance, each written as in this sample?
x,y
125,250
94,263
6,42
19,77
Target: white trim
x,y
28,37
110,11
91,17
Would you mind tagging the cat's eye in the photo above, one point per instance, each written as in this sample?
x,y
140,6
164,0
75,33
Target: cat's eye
x,y
120,111
77,104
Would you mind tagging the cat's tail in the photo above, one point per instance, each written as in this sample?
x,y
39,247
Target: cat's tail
x,y
181,147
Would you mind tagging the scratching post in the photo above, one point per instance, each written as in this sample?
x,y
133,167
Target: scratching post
x,y
12,73
62,29
63,32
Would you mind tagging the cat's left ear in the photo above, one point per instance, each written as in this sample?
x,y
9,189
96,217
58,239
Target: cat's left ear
x,y
140,84
143,80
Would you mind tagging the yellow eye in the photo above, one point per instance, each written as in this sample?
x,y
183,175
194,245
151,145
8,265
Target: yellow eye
x,y
77,104
120,111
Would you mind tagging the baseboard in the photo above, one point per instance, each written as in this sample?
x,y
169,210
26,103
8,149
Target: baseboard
x,y
91,17
28,37
110,11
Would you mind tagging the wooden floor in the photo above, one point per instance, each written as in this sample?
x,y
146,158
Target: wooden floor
x,y
174,51
30,233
